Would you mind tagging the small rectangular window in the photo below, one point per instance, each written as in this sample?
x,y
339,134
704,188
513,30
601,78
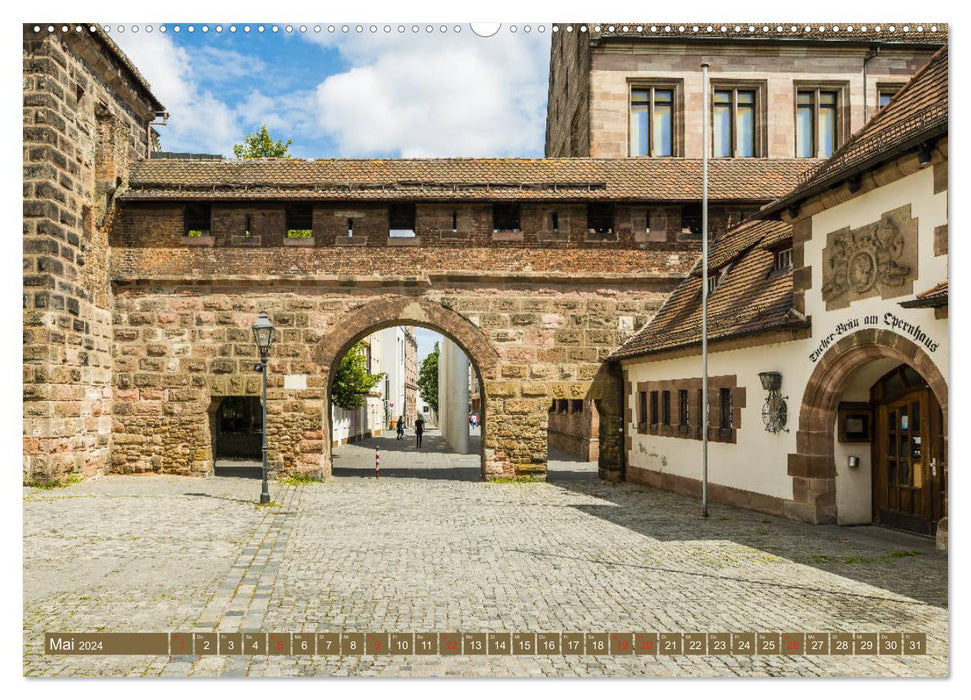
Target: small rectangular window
x,y
666,407
300,221
196,220
505,217
642,407
350,228
691,219
455,221
555,221
401,220
600,218
683,417
725,409
653,408
783,259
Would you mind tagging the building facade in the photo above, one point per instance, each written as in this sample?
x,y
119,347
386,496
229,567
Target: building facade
x,y
780,91
828,340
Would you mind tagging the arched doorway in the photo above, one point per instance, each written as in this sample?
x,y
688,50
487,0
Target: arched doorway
x,y
378,315
829,486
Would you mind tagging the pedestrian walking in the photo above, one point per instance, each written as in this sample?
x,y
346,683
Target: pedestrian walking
x,y
401,428
419,429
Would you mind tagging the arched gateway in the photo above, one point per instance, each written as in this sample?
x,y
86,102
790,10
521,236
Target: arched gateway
x,y
411,311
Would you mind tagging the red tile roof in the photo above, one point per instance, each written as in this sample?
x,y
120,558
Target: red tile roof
x,y
750,298
933,297
619,179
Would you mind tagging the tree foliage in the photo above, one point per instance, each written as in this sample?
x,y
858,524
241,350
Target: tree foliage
x,y
352,381
260,145
428,379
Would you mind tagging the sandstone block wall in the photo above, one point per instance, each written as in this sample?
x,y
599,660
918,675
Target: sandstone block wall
x,y
177,349
84,121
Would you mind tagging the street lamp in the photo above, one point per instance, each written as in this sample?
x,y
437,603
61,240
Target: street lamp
x,y
263,332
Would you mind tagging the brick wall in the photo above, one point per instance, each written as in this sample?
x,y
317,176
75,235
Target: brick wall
x,y
84,121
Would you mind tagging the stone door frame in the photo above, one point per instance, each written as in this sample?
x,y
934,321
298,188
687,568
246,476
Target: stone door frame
x,y
409,311
813,466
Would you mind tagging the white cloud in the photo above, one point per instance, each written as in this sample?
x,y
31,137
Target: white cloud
x,y
436,95
200,122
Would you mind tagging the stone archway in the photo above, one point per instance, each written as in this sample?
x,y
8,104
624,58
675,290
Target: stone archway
x,y
408,311
813,466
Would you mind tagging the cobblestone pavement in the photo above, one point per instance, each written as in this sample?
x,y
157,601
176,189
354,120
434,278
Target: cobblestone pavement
x,y
412,552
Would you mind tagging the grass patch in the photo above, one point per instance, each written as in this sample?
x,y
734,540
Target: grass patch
x,y
298,479
271,504
766,521
526,479
54,483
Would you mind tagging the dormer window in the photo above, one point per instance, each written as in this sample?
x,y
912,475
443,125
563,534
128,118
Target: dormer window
x,y
712,282
783,259
401,220
600,218
505,217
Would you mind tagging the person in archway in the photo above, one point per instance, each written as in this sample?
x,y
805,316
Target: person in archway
x,y
419,429
401,428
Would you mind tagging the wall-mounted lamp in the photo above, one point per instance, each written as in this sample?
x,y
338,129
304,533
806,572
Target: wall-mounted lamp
x,y
924,153
775,411
853,462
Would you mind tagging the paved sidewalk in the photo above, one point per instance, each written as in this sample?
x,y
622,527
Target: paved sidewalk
x,y
158,553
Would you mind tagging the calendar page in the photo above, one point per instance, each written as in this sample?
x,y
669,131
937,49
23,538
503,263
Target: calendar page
x,y
489,350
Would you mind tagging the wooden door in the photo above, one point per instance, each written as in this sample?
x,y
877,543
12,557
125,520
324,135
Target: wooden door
x,y
909,462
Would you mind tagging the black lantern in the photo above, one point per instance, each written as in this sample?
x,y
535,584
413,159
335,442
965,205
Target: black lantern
x,y
263,332
771,381
263,335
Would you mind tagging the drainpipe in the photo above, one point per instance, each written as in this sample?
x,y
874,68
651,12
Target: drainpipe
x,y
148,132
871,54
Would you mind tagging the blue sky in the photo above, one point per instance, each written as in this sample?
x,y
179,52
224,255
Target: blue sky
x,y
373,94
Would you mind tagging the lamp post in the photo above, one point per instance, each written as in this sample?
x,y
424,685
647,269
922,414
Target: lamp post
x,y
263,332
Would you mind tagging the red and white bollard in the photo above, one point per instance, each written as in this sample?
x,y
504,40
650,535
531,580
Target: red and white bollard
x,y
377,463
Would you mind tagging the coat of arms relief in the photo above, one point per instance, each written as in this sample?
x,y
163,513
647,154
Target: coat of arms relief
x,y
878,259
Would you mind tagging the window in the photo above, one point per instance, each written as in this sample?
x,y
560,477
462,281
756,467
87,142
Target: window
x,y
734,119
300,221
505,217
555,221
701,409
725,409
600,218
885,93
712,283
653,408
652,121
816,123
350,228
683,416
196,219
783,260
401,220
455,221
577,406
666,407
641,407
691,219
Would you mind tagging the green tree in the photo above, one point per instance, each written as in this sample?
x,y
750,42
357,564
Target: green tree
x,y
260,145
428,379
352,381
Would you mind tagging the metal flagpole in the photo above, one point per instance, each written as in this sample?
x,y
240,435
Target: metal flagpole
x,y
704,291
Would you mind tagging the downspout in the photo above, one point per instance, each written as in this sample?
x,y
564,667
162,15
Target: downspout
x,y
871,54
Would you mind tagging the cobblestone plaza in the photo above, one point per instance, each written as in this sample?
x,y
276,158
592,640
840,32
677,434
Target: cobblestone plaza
x,y
430,548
